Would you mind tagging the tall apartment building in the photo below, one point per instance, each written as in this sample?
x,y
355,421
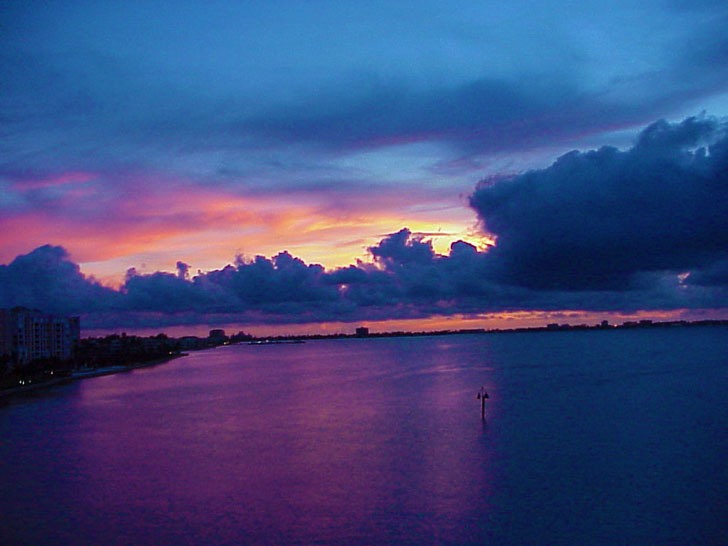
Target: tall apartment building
x,y
6,333
29,334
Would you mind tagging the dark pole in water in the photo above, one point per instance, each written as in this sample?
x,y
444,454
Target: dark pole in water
x,y
482,395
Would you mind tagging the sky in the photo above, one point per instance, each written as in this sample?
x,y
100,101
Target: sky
x,y
303,166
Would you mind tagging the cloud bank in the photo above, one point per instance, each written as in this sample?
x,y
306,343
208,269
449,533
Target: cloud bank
x,y
600,219
603,230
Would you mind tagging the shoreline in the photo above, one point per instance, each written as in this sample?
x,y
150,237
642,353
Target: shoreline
x,y
94,372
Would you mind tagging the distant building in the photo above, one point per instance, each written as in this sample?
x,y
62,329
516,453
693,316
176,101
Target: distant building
x,y
240,337
362,331
217,337
29,334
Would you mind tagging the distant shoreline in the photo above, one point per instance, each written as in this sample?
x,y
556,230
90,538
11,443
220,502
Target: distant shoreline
x,y
110,370
92,372
643,324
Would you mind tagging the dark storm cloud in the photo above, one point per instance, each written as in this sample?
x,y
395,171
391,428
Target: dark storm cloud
x,y
47,279
593,220
167,293
281,280
400,249
406,280
285,290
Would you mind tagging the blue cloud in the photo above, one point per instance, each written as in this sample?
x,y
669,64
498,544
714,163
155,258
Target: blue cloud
x,y
211,86
47,279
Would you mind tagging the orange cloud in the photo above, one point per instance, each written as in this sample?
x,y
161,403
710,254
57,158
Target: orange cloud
x,y
151,225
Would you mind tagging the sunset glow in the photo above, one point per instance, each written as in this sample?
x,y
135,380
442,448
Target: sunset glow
x,y
242,165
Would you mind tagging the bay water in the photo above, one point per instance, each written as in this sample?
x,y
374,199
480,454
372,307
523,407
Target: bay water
x,y
591,437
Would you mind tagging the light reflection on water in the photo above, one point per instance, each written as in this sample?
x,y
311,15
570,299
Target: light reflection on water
x,y
591,438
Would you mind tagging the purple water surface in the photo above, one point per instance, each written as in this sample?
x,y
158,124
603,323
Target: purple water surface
x,y
600,437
